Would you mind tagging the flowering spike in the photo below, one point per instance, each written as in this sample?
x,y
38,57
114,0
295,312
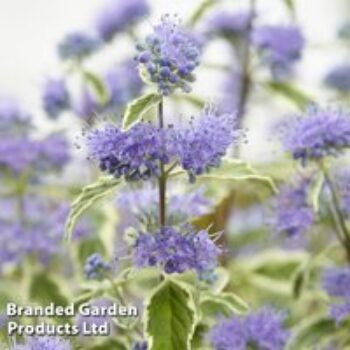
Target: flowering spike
x,y
316,134
55,97
262,330
77,45
176,252
169,56
280,46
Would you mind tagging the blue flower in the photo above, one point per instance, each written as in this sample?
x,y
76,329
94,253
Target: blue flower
x,y
54,153
316,134
265,329
55,97
19,152
339,78
51,153
176,252
226,23
26,153
117,15
40,234
13,119
281,47
336,282
293,214
340,312
229,334
261,330
96,267
169,56
134,154
77,46
203,143
45,343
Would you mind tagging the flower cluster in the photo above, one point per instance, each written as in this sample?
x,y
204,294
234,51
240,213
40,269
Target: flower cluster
x,y
18,151
45,343
229,24
37,232
280,46
95,267
176,252
205,141
293,214
50,153
54,152
55,97
118,15
169,56
316,134
336,282
261,330
13,120
136,153
339,78
77,45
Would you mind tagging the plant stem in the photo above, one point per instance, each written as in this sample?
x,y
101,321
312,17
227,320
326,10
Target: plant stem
x,y
117,292
162,177
244,92
339,220
245,68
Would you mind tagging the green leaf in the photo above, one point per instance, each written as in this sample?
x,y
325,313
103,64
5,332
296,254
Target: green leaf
x,y
45,290
310,332
237,170
299,98
275,264
137,108
213,305
290,5
170,317
300,280
88,196
203,7
97,85
191,99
